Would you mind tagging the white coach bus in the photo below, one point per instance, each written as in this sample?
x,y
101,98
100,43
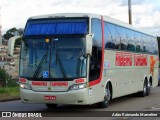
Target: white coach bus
x,y
83,59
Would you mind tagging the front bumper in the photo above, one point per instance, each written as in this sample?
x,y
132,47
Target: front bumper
x,y
77,97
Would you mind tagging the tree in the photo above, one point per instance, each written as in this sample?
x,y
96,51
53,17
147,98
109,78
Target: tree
x,y
17,42
10,33
20,31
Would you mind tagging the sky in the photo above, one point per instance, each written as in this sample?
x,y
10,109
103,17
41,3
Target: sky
x,y
145,13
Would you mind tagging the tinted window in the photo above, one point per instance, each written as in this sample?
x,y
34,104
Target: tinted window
x,y
109,33
137,37
97,31
96,58
150,44
121,35
130,39
143,43
155,46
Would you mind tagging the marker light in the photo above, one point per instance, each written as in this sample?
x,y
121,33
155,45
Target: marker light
x,y
47,40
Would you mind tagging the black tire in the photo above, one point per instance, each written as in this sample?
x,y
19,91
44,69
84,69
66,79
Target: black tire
x,y
144,92
107,98
51,106
158,82
148,88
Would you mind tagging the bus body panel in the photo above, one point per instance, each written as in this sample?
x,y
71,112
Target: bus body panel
x,y
78,97
54,86
126,79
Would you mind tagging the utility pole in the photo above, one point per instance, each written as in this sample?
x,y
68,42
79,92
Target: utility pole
x,y
129,12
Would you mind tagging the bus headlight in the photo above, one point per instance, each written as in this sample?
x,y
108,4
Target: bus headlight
x,y
25,86
78,86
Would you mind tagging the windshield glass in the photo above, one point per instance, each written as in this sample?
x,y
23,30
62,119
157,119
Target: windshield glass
x,y
53,58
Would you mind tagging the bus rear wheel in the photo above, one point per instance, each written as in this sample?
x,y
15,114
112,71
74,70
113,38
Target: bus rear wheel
x,y
51,106
107,98
149,88
143,93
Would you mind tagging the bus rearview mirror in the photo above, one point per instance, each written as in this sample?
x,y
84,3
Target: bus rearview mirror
x,y
89,44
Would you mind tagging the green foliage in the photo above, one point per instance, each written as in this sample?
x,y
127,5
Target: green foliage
x,y
17,42
20,31
10,33
3,77
9,92
12,83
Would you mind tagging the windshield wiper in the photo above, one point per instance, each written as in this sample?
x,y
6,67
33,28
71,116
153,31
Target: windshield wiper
x,y
37,71
58,60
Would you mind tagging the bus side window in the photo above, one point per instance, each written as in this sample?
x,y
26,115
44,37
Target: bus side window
x,y
130,39
109,33
151,44
121,35
155,47
143,43
96,58
137,38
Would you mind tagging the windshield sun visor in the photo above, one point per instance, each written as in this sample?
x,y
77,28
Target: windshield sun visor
x,y
56,27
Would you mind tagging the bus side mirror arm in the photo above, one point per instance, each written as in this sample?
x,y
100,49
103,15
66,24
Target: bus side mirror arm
x,y
89,39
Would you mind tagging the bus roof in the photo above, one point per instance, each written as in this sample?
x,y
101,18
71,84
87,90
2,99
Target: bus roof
x,y
92,15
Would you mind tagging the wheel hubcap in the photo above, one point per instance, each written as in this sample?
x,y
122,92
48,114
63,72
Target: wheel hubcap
x,y
107,96
145,89
149,87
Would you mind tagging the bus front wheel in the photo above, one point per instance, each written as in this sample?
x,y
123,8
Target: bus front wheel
x,y
107,97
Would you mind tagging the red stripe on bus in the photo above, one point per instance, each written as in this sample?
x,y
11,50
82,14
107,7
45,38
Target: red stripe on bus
x,y
22,80
80,80
58,83
100,78
39,83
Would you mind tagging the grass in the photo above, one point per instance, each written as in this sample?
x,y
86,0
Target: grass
x,y
7,93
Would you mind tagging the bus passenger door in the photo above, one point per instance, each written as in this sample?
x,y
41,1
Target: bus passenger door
x,y
95,90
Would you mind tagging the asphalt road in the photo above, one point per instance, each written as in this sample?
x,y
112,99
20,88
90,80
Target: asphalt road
x,y
126,103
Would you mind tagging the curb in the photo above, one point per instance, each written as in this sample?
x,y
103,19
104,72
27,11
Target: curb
x,y
11,99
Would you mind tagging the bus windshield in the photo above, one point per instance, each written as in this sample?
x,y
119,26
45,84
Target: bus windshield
x,y
53,58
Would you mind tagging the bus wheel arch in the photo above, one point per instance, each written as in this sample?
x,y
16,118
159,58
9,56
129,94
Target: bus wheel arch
x,y
110,87
143,93
107,95
109,84
150,80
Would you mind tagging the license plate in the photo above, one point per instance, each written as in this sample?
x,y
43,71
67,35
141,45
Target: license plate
x,y
50,97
